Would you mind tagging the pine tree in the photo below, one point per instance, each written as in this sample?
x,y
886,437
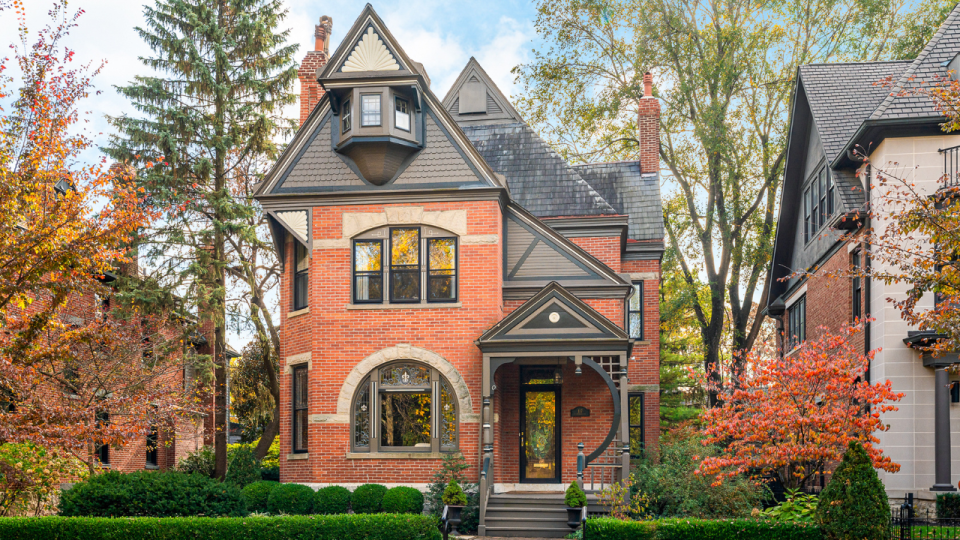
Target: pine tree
x,y
223,73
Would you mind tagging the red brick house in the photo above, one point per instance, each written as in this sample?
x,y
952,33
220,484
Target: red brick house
x,y
451,284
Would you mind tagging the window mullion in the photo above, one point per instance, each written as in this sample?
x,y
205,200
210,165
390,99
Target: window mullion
x,y
434,411
375,410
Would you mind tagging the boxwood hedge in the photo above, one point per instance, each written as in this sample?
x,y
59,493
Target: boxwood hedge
x,y
402,500
379,527
256,495
294,499
331,500
699,529
368,498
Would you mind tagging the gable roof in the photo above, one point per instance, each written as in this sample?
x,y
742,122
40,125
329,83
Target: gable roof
x,y
497,108
368,48
841,96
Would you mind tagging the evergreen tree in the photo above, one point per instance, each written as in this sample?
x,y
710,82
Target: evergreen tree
x,y
854,503
222,74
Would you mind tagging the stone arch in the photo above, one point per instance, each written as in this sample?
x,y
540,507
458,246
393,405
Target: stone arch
x,y
404,352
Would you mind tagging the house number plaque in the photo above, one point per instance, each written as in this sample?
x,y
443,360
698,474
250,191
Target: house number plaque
x,y
579,412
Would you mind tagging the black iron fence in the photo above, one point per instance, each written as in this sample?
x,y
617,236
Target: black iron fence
x,y
908,523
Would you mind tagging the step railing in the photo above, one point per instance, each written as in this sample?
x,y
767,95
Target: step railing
x,y
951,166
605,469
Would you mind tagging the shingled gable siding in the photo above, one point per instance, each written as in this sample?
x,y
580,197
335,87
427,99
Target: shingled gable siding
x,y
339,338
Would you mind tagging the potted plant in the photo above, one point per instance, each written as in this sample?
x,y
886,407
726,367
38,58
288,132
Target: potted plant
x,y
575,499
455,500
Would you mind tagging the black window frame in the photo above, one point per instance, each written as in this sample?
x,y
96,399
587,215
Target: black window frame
x,y
856,310
797,323
102,450
418,271
356,273
642,425
819,202
455,275
346,117
301,278
363,121
298,446
152,457
397,100
638,291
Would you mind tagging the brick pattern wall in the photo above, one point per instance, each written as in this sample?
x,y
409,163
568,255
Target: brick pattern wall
x,y
644,366
605,248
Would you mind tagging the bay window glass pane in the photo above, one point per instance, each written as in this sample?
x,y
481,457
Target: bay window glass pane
x,y
442,277
405,264
368,271
370,110
405,419
403,115
347,121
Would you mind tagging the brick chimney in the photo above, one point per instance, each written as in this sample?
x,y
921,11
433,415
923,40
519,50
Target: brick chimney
x,y
310,90
648,127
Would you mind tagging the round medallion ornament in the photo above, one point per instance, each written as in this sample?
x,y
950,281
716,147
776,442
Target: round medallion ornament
x,y
554,317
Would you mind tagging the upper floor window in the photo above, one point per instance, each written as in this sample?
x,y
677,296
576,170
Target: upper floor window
x,y
402,114
411,264
300,409
857,286
635,312
818,203
797,323
301,277
346,120
103,450
370,110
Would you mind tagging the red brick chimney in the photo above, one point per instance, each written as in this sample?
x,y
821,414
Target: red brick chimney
x,y
310,91
648,127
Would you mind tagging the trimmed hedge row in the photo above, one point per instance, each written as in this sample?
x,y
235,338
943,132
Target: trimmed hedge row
x,y
378,527
699,529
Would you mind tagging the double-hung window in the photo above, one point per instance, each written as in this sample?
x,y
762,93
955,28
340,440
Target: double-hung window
x,y
301,277
367,271
405,264
797,323
346,118
402,119
635,312
300,415
442,270
370,110
857,310
819,203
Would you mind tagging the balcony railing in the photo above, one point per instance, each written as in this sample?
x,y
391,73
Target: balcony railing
x,y
951,166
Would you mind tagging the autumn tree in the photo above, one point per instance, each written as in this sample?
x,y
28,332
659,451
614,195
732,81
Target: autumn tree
x,y
66,355
792,415
725,73
223,74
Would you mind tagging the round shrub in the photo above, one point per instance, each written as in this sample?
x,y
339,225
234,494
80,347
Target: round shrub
x,y
242,467
403,500
331,500
294,499
153,494
256,495
854,503
367,499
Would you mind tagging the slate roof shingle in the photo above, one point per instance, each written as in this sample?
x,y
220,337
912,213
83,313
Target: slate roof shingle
x,y
630,192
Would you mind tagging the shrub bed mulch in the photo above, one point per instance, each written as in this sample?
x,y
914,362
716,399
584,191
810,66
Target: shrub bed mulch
x,y
699,529
354,527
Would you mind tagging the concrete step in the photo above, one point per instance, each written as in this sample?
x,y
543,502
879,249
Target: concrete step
x,y
539,532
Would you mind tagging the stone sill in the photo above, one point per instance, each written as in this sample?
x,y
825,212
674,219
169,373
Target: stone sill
x,y
292,457
433,305
397,455
298,313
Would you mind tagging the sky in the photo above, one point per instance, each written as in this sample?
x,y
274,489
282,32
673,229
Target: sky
x,y
442,35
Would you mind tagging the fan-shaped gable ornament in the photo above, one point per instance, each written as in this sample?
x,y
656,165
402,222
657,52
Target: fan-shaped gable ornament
x,y
370,54
296,221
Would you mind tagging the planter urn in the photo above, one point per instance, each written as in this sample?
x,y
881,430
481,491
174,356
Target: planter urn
x,y
573,516
453,518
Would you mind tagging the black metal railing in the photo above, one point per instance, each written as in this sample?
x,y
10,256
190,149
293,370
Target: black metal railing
x,y
908,523
951,166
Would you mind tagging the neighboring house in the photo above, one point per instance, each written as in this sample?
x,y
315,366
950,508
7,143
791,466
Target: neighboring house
x,y
826,192
451,284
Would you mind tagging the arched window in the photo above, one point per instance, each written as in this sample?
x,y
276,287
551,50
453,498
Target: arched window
x,y
405,265
404,407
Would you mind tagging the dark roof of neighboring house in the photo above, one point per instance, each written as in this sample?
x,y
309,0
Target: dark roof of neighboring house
x,y
842,96
928,66
631,193
539,179
849,189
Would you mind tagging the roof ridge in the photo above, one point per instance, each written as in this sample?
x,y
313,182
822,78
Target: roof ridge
x,y
908,74
856,63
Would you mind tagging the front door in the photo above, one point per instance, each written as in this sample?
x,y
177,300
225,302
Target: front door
x,y
539,426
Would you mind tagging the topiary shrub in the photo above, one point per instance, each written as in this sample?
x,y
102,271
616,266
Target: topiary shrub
x,y
854,503
948,505
293,499
331,500
368,498
156,494
256,495
242,467
575,497
403,500
453,495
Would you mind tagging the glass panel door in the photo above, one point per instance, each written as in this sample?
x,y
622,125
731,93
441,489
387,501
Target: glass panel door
x,y
539,435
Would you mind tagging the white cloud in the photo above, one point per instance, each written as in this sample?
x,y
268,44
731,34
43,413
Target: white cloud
x,y
510,47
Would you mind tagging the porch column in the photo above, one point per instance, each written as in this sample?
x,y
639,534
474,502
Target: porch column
x,y
941,430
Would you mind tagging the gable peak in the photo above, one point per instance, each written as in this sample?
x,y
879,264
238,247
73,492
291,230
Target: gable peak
x,y
370,54
475,99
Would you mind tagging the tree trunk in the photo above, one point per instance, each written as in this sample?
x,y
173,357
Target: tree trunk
x,y
220,196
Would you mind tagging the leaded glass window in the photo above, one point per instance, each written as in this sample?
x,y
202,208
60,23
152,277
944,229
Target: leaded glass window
x,y
361,417
635,311
405,375
448,416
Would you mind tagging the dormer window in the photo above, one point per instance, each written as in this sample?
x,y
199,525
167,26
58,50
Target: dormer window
x,y
370,110
402,114
346,121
